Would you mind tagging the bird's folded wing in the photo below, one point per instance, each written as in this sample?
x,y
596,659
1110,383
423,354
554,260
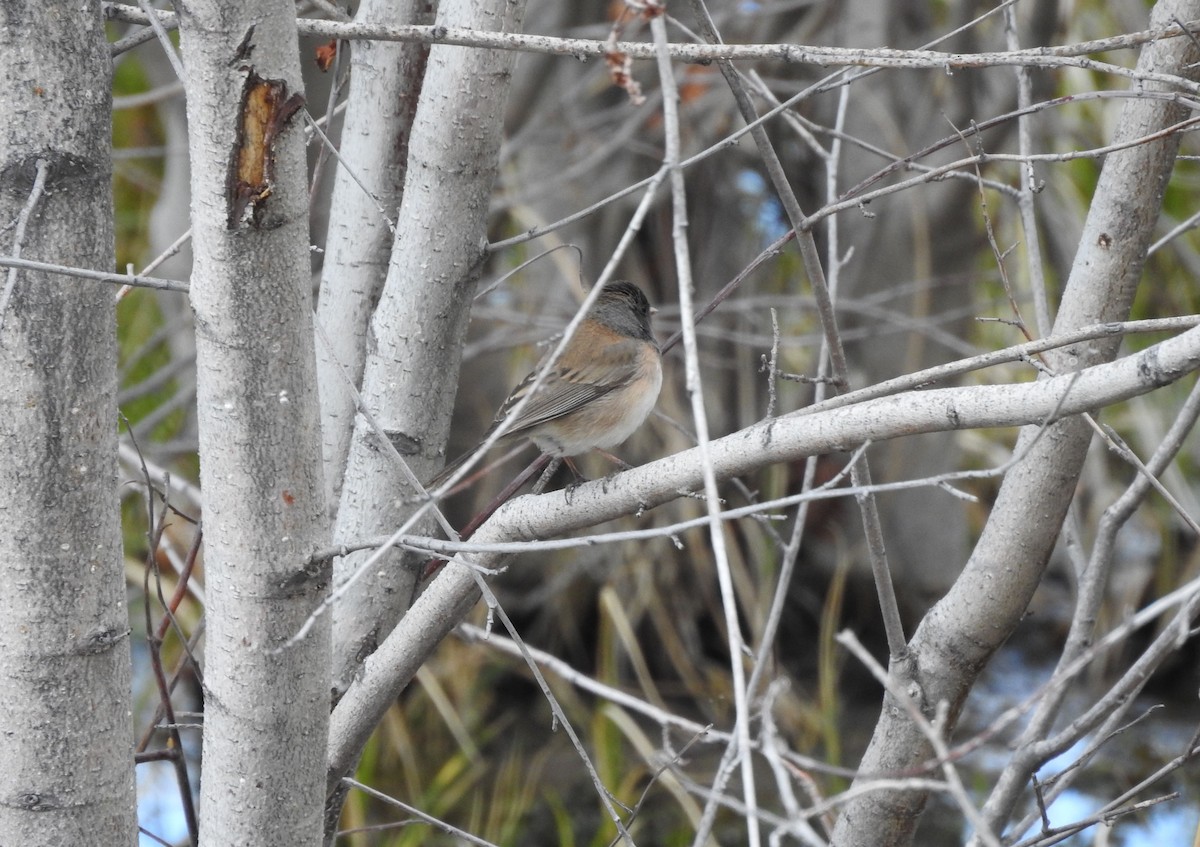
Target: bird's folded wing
x,y
573,385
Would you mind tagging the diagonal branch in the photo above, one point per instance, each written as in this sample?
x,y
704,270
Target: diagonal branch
x,y
35,194
454,592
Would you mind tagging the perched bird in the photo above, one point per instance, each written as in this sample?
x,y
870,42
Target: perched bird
x,y
600,389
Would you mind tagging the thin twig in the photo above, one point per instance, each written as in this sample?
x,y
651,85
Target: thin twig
x,y
869,509
154,530
1017,320
560,716
35,194
1062,56
328,147
739,752
172,249
1029,187
449,829
98,276
790,555
164,40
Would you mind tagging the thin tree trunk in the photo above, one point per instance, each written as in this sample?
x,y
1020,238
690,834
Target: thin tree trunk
x,y
417,331
266,700
66,741
384,84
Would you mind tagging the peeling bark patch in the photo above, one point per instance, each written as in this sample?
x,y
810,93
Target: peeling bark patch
x,y
297,583
1152,372
102,640
405,444
265,111
63,171
368,645
1146,365
244,49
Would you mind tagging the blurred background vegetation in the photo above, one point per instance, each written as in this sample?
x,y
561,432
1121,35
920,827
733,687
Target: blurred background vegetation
x,y
473,742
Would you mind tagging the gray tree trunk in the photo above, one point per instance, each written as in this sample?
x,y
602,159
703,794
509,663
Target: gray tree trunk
x,y
66,746
417,330
384,84
266,700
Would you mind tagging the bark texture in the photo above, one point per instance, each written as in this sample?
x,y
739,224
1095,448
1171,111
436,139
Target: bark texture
x,y
65,734
384,85
266,700
417,331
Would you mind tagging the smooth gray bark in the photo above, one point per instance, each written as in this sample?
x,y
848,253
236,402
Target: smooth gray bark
x,y
266,701
417,331
384,84
66,739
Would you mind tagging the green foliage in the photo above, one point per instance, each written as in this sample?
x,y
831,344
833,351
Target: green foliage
x,y
135,179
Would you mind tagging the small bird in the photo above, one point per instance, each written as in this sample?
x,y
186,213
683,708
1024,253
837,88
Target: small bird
x,y
600,389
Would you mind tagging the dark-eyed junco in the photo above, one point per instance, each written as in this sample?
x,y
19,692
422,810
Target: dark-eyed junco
x,y
600,389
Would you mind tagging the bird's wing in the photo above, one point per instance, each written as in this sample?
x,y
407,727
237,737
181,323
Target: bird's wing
x,y
572,385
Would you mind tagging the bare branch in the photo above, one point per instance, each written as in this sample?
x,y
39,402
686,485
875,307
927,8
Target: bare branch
x,y
1070,55
35,194
98,276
